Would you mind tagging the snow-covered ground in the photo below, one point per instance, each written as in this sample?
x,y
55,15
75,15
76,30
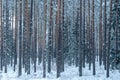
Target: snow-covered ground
x,y
71,73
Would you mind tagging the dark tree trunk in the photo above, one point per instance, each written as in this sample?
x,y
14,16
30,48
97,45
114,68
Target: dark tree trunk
x,y
109,42
20,40
84,49
1,21
93,35
80,41
58,52
50,39
105,31
44,47
100,35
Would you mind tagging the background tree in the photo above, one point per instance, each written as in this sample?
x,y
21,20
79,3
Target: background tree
x,y
115,35
20,39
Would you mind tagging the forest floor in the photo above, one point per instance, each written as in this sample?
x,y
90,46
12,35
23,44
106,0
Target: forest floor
x,y
71,73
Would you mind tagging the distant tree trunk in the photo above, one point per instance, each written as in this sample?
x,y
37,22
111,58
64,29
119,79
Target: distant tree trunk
x,y
109,41
89,25
16,35
58,54
35,37
93,35
105,31
100,35
77,38
12,35
20,40
39,39
27,36
50,38
6,29
1,26
62,35
84,34
44,38
31,31
80,39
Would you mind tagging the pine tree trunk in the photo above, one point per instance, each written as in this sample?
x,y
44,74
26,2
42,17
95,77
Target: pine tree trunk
x,y
80,40
50,39
35,37
100,35
44,44
84,34
89,32
58,52
62,35
105,31
93,35
1,27
16,34
20,40
109,42
27,36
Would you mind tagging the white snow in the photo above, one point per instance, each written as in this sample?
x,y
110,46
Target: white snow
x,y
71,73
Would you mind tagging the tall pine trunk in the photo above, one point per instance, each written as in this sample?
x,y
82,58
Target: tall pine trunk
x,y
58,52
50,38
20,39
80,42
44,38
109,41
93,37
100,35
105,32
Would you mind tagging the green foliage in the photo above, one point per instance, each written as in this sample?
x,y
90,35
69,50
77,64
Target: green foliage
x,y
115,54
